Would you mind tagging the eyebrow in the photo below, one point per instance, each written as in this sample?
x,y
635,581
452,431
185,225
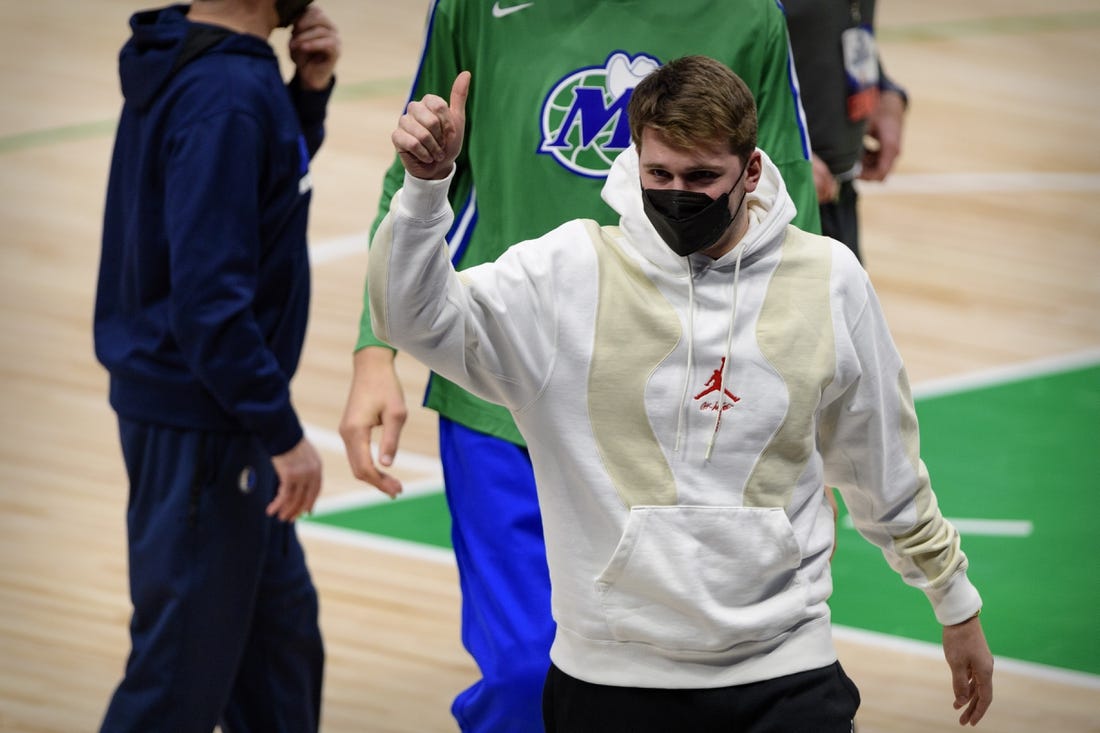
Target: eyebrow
x,y
686,171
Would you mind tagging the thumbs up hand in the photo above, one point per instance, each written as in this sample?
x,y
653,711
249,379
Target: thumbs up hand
x,y
429,135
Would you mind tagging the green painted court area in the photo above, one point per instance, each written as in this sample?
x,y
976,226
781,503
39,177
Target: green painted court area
x,y
1016,464
1021,451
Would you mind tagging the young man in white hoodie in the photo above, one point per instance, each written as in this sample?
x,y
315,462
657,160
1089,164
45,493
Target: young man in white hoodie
x,y
687,382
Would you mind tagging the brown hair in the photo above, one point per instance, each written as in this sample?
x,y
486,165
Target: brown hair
x,y
693,99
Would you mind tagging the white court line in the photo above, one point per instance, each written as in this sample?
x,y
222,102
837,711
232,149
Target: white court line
x,y
954,183
935,651
1007,373
334,250
352,538
330,440
985,527
370,496
993,527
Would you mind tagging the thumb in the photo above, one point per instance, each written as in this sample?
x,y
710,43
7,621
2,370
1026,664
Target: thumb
x,y
460,90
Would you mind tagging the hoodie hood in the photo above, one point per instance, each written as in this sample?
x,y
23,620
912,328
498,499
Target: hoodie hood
x,y
164,41
770,210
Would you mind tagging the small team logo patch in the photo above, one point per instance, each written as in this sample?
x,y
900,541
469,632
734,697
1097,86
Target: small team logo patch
x,y
584,124
246,481
714,387
305,183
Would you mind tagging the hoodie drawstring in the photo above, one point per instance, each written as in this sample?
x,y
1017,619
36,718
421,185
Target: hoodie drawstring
x,y
729,355
691,355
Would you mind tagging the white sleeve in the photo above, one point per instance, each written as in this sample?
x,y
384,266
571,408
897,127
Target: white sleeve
x,y
489,329
871,448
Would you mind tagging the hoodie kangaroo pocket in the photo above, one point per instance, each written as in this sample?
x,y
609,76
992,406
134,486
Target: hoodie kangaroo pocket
x,y
703,579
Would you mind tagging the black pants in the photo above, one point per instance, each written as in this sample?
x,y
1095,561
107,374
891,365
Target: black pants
x,y
840,219
818,701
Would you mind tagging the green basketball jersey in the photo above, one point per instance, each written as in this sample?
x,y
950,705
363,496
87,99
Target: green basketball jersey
x,y
546,116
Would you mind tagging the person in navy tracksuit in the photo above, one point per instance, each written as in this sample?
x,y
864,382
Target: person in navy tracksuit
x,y
200,317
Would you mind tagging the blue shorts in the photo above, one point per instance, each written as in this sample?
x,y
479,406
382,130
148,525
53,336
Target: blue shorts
x,y
506,622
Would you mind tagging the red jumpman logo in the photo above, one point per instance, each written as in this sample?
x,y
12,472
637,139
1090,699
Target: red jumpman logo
x,y
714,384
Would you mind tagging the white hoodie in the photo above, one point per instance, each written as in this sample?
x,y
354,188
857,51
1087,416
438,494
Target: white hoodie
x,y
671,568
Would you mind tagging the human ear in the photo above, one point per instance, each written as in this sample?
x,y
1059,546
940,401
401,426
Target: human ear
x,y
755,170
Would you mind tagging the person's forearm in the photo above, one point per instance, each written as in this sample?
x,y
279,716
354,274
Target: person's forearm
x,y
892,104
371,359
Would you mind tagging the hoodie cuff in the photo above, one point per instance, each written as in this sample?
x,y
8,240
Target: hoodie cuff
x,y
310,105
282,433
425,200
955,602
886,84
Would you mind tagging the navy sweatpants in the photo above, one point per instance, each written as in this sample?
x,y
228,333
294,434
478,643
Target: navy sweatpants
x,y
224,627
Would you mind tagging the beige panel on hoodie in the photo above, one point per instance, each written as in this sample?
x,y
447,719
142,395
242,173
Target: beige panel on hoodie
x,y
635,325
795,334
933,544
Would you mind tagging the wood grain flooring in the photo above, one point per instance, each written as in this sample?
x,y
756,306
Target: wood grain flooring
x,y
983,248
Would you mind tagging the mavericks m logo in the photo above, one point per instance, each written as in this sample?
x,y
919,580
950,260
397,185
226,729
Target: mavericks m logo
x,y
584,123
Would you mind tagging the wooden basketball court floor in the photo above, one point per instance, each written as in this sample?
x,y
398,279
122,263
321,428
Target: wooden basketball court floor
x,y
983,248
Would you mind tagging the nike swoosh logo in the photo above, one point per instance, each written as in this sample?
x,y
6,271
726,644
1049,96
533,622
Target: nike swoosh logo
x,y
499,12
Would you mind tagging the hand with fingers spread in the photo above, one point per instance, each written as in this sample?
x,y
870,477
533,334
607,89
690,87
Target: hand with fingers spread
x,y
376,400
314,48
971,663
429,135
299,471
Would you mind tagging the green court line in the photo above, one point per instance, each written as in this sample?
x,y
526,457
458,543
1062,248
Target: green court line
x,y
1019,450
103,128
56,135
372,89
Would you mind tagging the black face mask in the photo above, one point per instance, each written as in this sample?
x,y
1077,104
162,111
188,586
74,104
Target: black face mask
x,y
289,10
689,221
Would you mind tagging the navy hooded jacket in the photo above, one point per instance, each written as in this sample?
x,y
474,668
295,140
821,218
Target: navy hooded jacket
x,y
204,280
